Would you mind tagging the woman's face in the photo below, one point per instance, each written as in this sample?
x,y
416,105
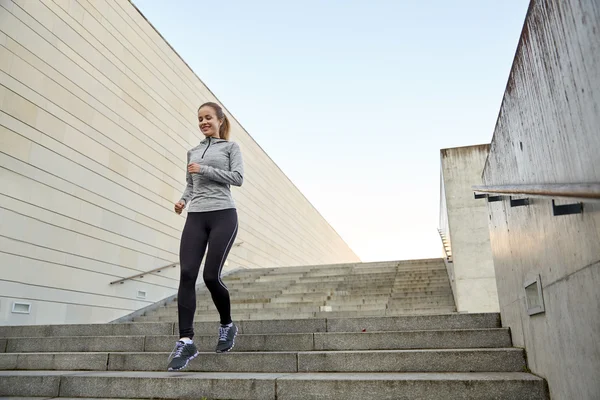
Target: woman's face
x,y
208,122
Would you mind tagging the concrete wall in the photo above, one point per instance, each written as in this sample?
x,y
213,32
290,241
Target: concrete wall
x,y
97,112
472,270
548,132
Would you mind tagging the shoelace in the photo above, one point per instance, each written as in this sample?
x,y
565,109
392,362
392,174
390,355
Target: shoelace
x,y
177,350
223,332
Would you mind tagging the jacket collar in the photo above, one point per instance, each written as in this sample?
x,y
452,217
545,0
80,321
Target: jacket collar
x,y
212,140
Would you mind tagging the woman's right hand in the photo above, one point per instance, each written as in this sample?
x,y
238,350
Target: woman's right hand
x,y
179,206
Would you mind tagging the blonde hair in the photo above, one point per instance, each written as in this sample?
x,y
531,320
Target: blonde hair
x,y
225,127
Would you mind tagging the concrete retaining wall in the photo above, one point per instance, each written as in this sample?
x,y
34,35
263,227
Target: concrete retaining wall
x,y
472,270
548,132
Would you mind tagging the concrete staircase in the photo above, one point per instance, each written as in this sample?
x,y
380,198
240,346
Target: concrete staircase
x,y
338,291
380,330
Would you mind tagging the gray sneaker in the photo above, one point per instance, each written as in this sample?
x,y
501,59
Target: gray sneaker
x,y
181,355
227,336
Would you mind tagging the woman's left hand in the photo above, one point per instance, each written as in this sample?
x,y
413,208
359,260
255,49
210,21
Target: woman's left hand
x,y
194,168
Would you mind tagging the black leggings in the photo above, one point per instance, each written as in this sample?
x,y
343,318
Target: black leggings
x,y
217,229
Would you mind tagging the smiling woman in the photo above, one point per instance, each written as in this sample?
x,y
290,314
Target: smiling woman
x,y
212,121
212,222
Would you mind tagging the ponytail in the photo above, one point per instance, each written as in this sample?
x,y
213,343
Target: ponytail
x,y
225,126
224,129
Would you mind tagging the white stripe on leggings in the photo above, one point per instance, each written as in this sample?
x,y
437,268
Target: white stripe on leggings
x,y
229,244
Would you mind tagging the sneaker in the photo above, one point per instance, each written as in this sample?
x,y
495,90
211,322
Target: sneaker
x,y
227,336
181,355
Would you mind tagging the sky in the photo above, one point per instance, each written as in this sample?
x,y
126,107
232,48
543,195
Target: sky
x,y
353,100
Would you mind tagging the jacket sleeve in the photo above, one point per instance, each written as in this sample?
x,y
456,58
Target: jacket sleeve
x,y
187,193
235,175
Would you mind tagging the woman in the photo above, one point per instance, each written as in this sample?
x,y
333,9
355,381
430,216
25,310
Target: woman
x,y
213,165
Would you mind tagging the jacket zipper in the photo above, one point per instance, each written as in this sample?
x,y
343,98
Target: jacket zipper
x,y
206,148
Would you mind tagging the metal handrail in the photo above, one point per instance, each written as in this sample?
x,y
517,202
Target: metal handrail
x,y
571,190
442,236
173,265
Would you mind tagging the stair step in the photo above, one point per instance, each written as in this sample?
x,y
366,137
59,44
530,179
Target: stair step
x,y
280,386
427,339
253,290
431,360
299,307
422,339
365,310
357,292
371,324
62,398
417,322
286,313
360,291
356,270
290,314
368,279
275,284
126,329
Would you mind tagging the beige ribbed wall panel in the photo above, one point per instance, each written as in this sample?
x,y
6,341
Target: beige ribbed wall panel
x,y
97,113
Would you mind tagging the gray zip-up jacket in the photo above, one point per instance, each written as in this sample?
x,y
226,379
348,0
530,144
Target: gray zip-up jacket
x,y
220,166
